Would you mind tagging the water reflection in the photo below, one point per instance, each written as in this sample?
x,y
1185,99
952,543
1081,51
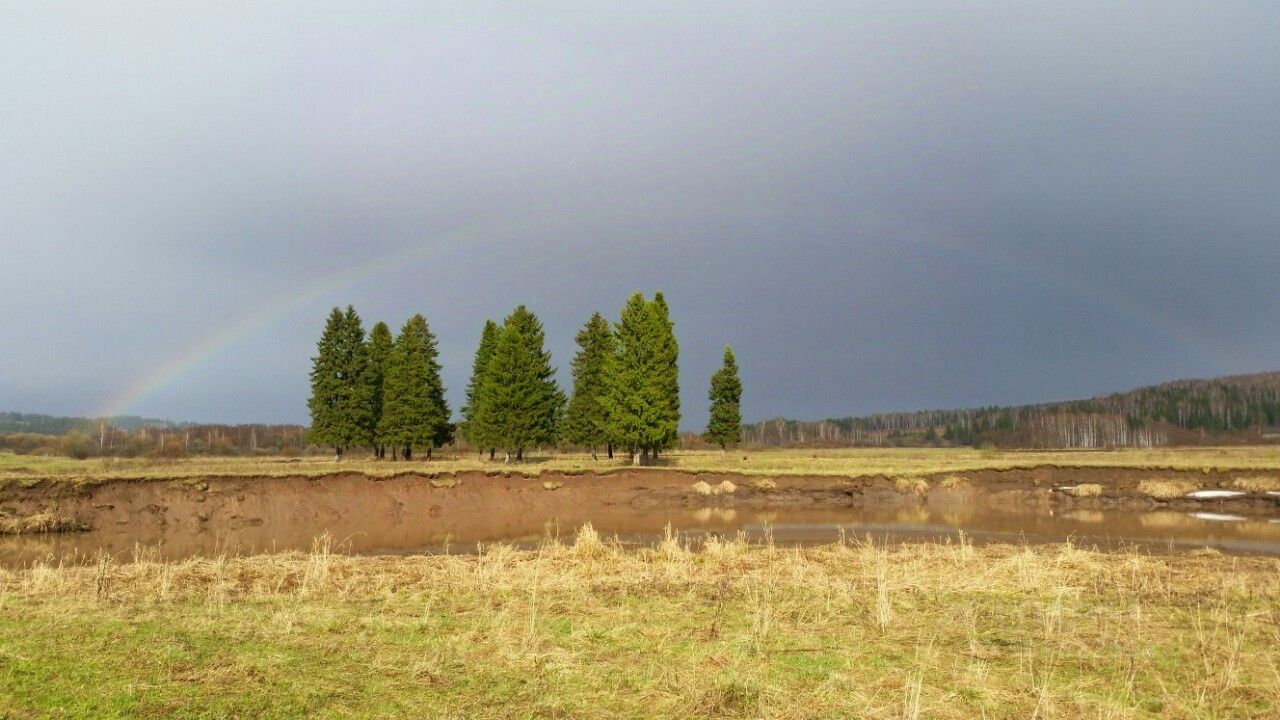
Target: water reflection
x,y
371,528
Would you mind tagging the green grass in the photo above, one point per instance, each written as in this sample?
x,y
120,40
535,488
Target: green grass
x,y
591,630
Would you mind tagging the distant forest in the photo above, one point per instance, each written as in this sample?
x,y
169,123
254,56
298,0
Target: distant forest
x,y
1227,410
128,436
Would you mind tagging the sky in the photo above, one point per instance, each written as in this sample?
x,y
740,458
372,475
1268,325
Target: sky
x,y
881,206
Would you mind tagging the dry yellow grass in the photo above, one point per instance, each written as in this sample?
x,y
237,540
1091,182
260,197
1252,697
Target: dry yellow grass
x,y
911,485
593,630
1257,483
764,485
842,462
1165,489
44,522
1086,490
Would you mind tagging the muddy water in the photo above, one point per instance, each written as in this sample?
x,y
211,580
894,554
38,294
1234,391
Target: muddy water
x,y
406,515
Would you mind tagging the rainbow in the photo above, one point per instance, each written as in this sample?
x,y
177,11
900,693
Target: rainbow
x,y
180,364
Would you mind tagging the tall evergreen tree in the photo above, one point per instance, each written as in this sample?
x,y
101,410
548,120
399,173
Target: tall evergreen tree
x,y
327,386
667,373
724,428
341,401
414,411
476,429
585,420
380,343
633,399
519,400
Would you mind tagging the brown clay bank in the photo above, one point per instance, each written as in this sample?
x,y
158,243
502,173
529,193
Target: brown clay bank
x,y
235,502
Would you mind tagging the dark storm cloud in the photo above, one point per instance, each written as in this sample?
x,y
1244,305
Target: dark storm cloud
x,y
881,205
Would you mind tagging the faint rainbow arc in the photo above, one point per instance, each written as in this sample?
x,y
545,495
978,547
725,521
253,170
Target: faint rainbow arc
x,y
192,355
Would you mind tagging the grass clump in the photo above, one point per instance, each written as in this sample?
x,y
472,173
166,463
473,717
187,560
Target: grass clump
x,y
1165,489
588,628
911,485
1086,490
764,485
1257,483
43,522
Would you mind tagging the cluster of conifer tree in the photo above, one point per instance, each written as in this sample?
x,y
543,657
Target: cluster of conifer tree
x,y
387,393
380,392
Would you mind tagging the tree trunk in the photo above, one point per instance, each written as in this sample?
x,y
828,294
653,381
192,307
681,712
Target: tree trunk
x,y
395,453
610,448
408,452
491,452
428,453
519,454
635,457
506,456
593,455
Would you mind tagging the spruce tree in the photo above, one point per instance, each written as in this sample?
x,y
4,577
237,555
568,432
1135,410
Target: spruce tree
x,y
327,386
633,399
585,420
667,374
358,410
380,343
341,401
519,400
414,411
476,429
724,427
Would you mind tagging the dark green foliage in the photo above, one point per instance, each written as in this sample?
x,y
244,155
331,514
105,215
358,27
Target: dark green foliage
x,y
641,400
414,411
519,402
724,428
586,422
342,392
476,429
380,343
668,371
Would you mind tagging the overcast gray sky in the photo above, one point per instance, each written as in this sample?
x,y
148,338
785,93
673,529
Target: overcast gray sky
x,y
881,206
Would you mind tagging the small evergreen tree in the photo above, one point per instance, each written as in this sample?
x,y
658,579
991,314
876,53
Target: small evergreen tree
x,y
724,427
476,428
341,401
585,420
519,400
414,411
380,343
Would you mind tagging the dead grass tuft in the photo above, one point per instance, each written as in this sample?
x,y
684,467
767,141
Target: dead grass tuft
x,y
44,522
1257,483
765,485
911,484
1165,489
1086,490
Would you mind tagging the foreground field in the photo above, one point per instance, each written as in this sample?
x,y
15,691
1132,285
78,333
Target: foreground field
x,y
587,629
843,462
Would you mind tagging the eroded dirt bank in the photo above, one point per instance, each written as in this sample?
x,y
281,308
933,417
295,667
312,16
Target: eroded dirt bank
x,y
362,514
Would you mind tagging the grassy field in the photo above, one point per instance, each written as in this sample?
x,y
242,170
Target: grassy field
x,y
860,461
589,630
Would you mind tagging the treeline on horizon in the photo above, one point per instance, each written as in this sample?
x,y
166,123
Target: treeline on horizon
x,y
1234,409
385,393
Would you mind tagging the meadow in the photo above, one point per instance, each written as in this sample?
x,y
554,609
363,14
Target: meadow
x,y
825,462
588,629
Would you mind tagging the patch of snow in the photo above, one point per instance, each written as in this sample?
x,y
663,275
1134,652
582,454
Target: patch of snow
x,y
1213,494
1216,517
